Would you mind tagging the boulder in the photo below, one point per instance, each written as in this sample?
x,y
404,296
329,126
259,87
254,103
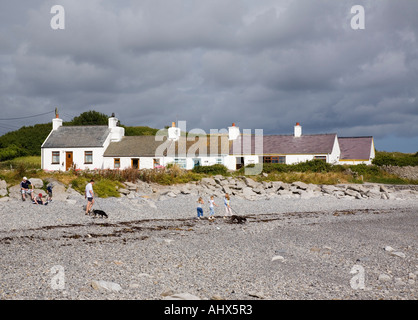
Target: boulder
x,y
300,185
3,188
250,182
37,183
208,181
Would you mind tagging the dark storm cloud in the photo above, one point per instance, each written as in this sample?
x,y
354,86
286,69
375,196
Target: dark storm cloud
x,y
262,64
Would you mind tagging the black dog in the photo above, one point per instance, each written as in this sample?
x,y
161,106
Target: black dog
x,y
100,213
238,219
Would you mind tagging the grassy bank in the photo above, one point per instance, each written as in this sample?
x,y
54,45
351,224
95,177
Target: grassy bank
x,y
109,181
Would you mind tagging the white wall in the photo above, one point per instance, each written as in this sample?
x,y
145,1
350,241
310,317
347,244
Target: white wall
x,y
78,158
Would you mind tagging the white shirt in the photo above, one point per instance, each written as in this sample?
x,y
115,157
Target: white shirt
x,y
89,190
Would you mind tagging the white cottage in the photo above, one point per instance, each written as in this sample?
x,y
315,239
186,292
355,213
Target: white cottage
x,y
80,147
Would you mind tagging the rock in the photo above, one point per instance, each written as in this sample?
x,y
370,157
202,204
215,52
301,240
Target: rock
x,y
182,296
167,292
398,254
300,185
352,193
3,188
374,194
256,294
208,181
389,249
124,191
37,183
328,189
250,182
275,258
384,278
105,285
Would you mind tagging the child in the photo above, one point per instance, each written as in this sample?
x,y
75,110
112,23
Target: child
x,y
39,200
228,210
199,208
212,211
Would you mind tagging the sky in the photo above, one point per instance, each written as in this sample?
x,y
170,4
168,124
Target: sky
x,y
262,64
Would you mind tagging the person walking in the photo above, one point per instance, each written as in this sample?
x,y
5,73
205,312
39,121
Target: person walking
x,y
199,208
211,208
228,210
89,195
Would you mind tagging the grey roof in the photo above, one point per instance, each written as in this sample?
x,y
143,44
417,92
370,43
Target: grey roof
x,y
146,146
133,146
284,144
77,137
355,148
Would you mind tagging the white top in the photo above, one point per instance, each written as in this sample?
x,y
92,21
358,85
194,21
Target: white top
x,y
89,190
211,202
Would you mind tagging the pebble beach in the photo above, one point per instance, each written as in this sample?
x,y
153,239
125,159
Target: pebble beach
x,y
286,249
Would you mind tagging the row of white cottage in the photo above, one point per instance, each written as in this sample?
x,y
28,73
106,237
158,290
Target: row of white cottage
x,y
107,147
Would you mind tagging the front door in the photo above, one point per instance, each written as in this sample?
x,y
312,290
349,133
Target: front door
x,y
135,163
68,160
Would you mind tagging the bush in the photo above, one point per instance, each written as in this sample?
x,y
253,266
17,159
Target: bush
x,y
395,159
211,170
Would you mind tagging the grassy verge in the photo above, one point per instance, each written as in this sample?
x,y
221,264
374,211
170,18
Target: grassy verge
x,y
109,181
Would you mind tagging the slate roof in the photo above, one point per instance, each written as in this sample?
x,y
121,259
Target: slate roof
x,y
284,144
355,148
77,137
146,146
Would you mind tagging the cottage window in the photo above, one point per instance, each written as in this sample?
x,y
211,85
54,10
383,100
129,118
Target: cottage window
x,y
219,161
88,157
116,163
55,157
156,162
180,162
276,159
323,158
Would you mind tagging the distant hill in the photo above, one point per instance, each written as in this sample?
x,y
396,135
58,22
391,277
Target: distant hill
x,y
27,141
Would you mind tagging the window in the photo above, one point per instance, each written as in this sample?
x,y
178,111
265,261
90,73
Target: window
x,y
116,163
275,159
180,162
88,157
156,162
219,161
323,158
55,157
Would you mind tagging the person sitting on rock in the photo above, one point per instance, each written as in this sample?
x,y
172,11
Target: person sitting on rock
x,y
24,189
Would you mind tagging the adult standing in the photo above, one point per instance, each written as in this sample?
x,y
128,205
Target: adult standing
x,y
89,196
24,188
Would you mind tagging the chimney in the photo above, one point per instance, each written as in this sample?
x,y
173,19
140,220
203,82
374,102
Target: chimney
x,y
116,132
233,132
57,122
298,130
174,133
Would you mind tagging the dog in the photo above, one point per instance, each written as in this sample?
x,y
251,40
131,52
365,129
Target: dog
x,y
99,213
238,219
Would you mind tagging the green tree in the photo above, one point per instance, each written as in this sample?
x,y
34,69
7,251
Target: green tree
x,y
90,118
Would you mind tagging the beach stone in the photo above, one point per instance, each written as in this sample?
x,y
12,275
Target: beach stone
x,y
398,254
279,258
384,278
182,296
105,285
